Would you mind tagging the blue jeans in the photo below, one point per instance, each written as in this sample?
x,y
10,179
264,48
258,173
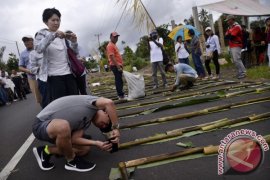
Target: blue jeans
x,y
118,81
183,60
43,89
3,95
198,64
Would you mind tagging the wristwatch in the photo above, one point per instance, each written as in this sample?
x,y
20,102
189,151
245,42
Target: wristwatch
x,y
115,126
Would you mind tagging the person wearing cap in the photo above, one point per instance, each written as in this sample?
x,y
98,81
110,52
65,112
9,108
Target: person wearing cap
x,y
155,45
50,42
185,75
62,124
267,22
234,35
116,64
24,66
213,50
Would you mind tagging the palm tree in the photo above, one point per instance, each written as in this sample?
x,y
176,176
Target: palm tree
x,y
204,18
141,16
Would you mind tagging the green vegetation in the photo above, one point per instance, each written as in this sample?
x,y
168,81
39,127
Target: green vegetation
x,y
259,72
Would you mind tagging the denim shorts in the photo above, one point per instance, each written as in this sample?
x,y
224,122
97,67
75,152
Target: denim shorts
x,y
39,129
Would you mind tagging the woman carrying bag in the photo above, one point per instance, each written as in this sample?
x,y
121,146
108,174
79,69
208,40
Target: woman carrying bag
x,y
212,53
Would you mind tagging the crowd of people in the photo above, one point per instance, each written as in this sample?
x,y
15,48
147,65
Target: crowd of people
x,y
67,110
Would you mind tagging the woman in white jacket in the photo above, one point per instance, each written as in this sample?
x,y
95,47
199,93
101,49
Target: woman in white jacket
x,y
212,51
55,69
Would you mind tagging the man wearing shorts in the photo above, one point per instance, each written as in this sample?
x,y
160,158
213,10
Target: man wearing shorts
x,y
63,123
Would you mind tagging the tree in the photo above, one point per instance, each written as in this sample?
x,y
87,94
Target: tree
x,y
102,49
142,48
128,55
141,16
168,43
204,18
2,65
12,62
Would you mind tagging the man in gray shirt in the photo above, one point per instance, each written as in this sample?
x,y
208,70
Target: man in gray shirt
x,y
185,75
63,122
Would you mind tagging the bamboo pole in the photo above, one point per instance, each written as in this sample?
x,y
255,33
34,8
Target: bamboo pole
x,y
123,170
186,103
150,159
210,150
207,150
194,113
149,139
259,116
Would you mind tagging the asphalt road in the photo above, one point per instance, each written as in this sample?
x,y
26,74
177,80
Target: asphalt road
x,y
16,121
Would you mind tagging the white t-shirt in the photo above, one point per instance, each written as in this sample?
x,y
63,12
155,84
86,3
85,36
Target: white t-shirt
x,y
155,51
182,53
57,58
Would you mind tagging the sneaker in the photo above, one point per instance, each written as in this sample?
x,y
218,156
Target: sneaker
x,y
125,97
80,165
241,76
43,159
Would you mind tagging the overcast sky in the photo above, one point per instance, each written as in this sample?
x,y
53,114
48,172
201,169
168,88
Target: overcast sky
x,y
86,18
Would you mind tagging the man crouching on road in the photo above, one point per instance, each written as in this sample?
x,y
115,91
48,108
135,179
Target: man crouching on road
x,y
185,75
63,123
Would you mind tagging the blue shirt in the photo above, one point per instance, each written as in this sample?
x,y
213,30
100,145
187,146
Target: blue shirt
x,y
182,68
24,62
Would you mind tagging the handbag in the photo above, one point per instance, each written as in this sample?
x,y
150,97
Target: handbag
x,y
76,66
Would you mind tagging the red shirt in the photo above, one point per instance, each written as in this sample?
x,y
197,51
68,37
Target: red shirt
x,y
236,31
113,50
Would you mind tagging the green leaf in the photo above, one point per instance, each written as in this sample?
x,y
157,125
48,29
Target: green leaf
x,y
115,174
189,157
185,145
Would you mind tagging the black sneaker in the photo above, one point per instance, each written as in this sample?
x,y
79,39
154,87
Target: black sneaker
x,y
80,165
43,159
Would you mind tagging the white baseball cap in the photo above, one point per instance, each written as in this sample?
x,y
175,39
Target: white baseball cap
x,y
208,28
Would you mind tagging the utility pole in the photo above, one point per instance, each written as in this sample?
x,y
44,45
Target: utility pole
x,y
98,35
17,48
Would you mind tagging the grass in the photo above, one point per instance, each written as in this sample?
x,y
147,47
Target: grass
x,y
259,72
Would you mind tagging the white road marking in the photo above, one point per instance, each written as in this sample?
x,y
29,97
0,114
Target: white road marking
x,y
16,158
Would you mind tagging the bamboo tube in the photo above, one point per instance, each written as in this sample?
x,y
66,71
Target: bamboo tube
x,y
149,139
224,122
258,90
210,150
239,93
260,116
150,159
194,113
123,170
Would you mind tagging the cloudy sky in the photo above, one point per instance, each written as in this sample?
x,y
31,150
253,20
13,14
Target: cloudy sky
x,y
86,18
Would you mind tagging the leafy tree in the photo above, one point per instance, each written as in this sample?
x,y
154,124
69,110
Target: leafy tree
x,y
12,62
168,43
257,23
91,64
191,21
102,49
204,18
2,65
128,55
142,48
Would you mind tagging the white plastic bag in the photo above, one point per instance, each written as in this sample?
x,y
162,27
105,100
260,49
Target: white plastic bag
x,y
136,86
